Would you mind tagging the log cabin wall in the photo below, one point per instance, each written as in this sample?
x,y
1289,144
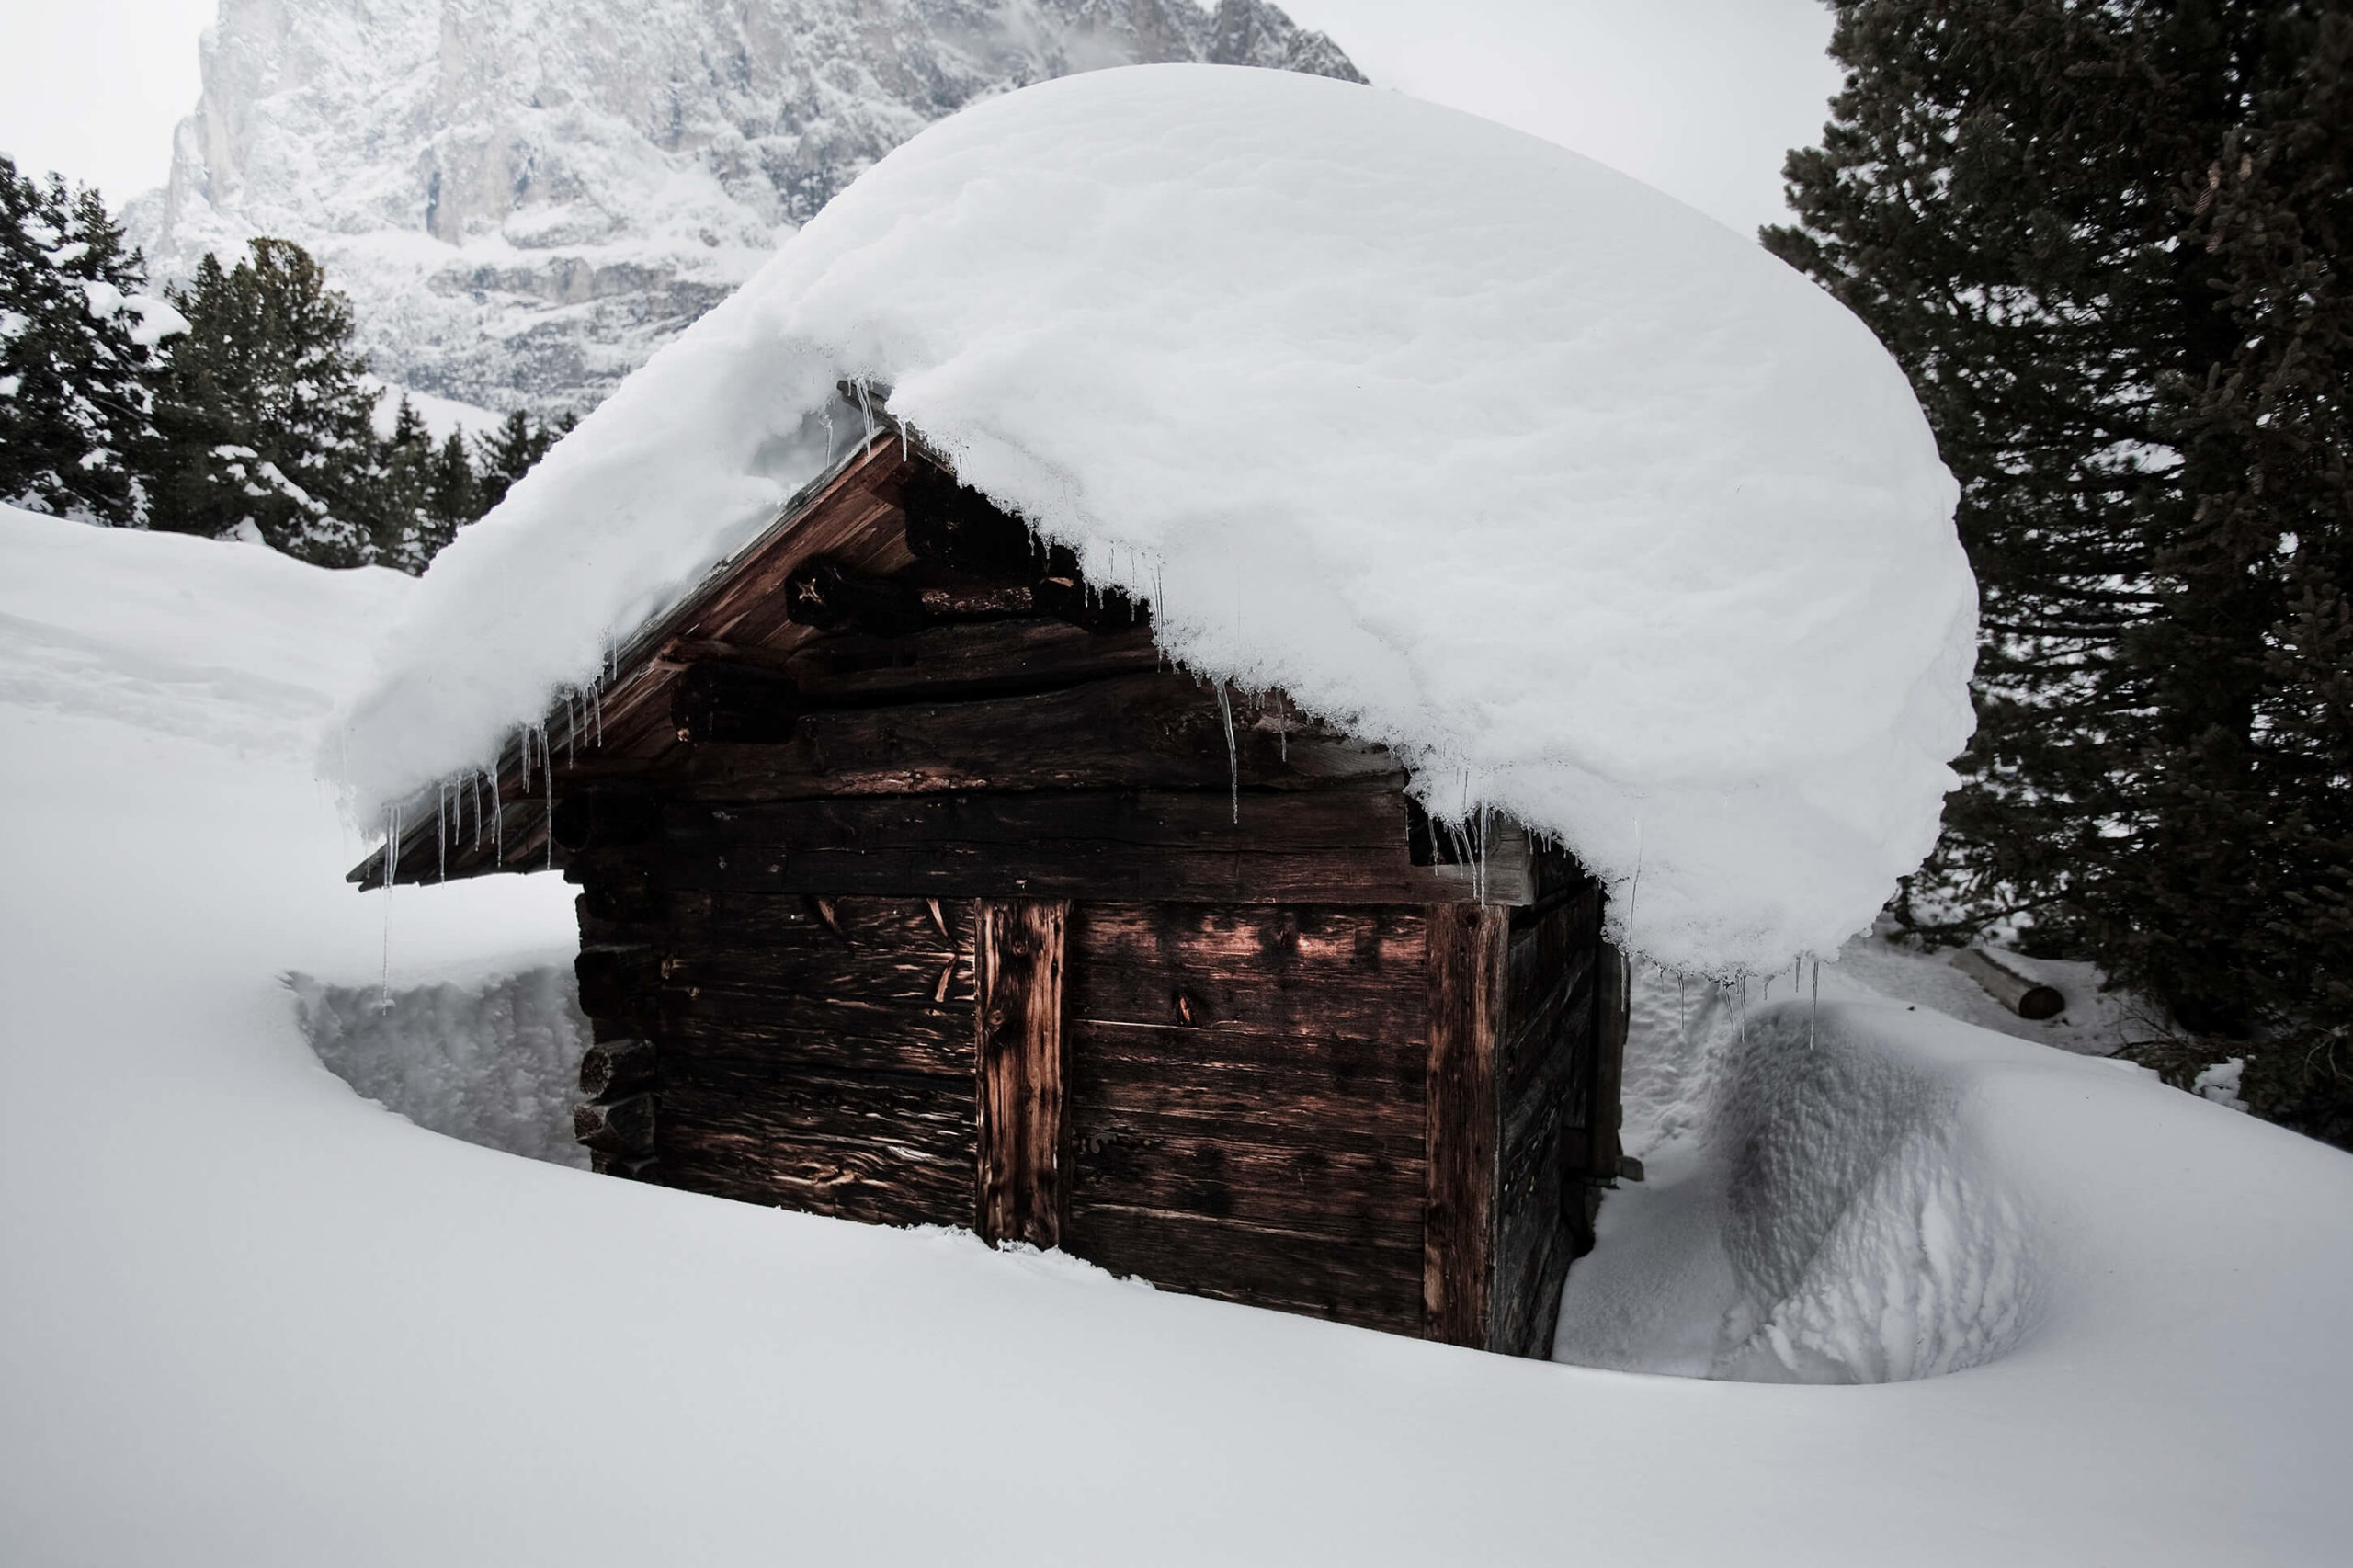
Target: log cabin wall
x,y
922,893
1246,1111
1549,1087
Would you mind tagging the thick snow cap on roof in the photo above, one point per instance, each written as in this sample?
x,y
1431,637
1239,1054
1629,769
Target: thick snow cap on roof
x,y
1595,512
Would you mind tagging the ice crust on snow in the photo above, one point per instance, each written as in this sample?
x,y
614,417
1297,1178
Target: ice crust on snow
x,y
1595,513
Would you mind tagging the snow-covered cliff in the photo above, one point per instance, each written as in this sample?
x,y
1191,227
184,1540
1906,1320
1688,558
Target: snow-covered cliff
x,y
524,199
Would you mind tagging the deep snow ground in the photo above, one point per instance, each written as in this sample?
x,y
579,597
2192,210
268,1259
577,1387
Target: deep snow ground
x,y
247,1317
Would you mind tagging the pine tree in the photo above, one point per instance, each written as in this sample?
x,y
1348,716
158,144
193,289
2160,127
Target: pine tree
x,y
264,411
2241,905
507,456
402,529
78,347
452,494
2103,236
1995,196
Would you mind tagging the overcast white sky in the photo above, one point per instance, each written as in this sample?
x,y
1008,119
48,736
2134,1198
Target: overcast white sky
x,y
1700,98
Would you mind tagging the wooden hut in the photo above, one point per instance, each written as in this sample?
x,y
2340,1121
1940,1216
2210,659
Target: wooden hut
x,y
916,888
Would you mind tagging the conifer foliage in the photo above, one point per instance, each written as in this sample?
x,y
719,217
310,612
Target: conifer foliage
x,y
237,406
421,492
265,414
79,341
509,454
2106,240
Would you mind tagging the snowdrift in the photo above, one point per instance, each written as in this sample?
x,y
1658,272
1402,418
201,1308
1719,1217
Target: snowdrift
x,y
493,1059
1593,511
249,1317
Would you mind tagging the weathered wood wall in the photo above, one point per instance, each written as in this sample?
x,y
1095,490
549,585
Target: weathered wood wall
x,y
1546,1082
813,1054
1246,1103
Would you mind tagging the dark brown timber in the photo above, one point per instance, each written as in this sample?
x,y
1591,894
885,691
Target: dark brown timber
x,y
1466,977
1020,961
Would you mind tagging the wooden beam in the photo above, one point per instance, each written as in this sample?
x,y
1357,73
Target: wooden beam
x,y
611,1068
1288,846
966,659
1137,731
623,1126
1468,955
1019,948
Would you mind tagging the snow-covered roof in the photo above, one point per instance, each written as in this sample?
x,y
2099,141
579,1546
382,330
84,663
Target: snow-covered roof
x,y
1590,509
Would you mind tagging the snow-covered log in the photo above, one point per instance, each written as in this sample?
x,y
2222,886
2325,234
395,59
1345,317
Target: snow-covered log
x,y
2023,994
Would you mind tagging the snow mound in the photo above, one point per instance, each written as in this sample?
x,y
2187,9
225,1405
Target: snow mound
x,y
1819,1205
226,642
1873,1190
1595,513
1870,1241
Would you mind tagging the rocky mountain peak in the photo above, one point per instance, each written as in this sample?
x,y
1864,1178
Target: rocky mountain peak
x,y
525,198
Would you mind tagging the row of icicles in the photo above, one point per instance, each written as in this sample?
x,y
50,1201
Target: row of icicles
x,y
477,789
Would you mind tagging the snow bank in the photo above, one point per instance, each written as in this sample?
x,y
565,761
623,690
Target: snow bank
x,y
1816,1208
229,642
1595,512
247,1317
1873,1191
494,1060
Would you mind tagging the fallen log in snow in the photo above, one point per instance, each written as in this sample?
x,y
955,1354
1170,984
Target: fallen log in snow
x,y
2028,999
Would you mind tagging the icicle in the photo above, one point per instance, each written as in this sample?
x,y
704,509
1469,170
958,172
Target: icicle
x,y
441,825
473,787
1634,892
551,822
1478,850
1233,753
497,825
1282,730
391,875
1813,1018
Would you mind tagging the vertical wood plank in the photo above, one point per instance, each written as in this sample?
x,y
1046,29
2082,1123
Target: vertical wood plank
x,y
1469,945
1018,958
1613,999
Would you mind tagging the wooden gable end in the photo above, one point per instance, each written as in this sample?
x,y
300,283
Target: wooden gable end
x,y
833,687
